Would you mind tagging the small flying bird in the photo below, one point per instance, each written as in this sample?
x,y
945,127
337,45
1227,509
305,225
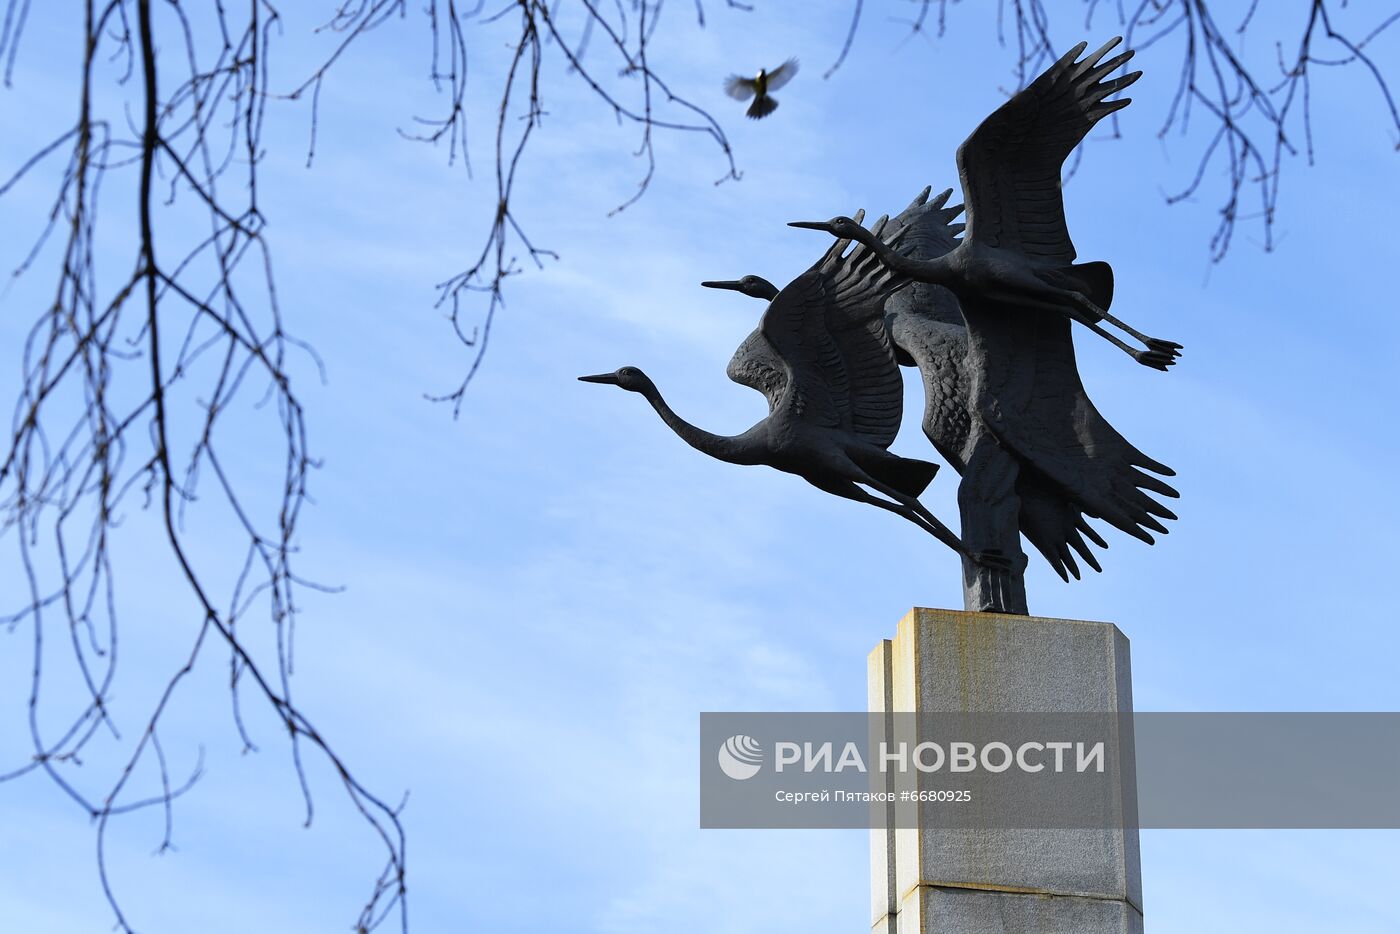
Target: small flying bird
x,y
758,87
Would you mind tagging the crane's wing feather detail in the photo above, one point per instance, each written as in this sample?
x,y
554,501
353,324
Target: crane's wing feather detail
x,y
828,327
782,74
1074,464
926,325
1072,446
741,89
757,365
1010,166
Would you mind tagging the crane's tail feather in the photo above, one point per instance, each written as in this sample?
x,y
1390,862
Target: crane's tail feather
x,y
906,474
1093,279
762,106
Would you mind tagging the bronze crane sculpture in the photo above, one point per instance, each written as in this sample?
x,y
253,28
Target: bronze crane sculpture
x,y
927,327
823,360
1026,410
927,330
759,87
1017,248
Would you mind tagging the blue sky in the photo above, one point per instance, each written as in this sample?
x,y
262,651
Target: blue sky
x,y
543,594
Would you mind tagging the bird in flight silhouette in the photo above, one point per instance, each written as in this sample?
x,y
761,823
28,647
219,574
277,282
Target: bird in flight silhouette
x,y
1017,248
760,86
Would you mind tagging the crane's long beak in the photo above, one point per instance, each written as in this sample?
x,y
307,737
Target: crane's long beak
x,y
809,225
732,284
609,379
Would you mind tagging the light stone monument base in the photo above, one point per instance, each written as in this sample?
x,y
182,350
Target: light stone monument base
x,y
928,880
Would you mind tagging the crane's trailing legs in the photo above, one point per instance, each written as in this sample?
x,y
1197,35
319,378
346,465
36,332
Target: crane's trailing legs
x,y
1058,290
993,562
1068,298
1159,354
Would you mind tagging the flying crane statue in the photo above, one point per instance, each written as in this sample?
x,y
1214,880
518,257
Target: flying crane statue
x,y
927,330
987,319
1036,456
823,360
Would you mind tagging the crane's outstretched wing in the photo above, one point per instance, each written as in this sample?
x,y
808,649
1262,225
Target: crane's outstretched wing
x,y
757,365
922,338
1010,165
827,326
1064,438
926,325
782,74
1055,526
739,88
918,319
927,229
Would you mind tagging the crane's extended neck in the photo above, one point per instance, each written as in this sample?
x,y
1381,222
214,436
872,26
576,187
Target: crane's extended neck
x,y
938,270
735,449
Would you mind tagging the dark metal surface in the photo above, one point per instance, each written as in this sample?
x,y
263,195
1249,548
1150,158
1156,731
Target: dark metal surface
x,y
823,359
986,317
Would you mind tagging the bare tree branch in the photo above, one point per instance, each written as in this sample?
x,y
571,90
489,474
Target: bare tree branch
x,y
135,373
1255,117
199,323
69,471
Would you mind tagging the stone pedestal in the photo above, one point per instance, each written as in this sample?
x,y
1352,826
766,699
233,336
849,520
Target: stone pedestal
x,y
927,880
